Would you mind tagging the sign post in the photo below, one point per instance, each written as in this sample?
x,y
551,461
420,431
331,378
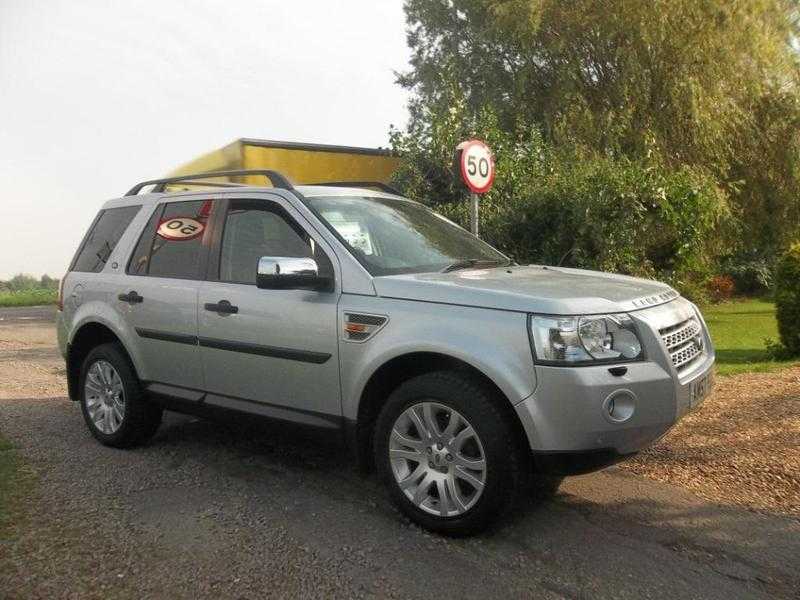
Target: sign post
x,y
473,214
476,163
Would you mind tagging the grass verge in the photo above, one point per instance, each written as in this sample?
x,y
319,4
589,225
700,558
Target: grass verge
x,y
739,330
14,487
36,297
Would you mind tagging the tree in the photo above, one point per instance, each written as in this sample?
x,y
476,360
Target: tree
x,y
48,283
708,84
22,282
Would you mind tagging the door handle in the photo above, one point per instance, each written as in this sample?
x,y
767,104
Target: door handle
x,y
222,307
131,297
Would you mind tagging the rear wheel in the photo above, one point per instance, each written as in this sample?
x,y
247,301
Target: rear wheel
x,y
112,401
447,453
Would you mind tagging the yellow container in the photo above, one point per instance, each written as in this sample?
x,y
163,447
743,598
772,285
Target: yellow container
x,y
301,163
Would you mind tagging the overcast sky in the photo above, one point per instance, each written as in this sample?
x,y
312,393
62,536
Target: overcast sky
x,y
97,94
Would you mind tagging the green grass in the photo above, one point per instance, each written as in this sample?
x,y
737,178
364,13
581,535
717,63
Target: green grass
x,y
739,329
14,487
34,297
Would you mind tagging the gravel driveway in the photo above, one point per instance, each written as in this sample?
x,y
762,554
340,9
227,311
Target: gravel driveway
x,y
210,510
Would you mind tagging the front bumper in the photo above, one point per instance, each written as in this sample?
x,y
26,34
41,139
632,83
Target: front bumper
x,y
570,414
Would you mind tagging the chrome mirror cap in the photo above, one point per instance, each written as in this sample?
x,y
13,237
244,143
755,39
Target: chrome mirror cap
x,y
286,273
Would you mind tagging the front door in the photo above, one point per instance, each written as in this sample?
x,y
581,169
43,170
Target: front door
x,y
272,352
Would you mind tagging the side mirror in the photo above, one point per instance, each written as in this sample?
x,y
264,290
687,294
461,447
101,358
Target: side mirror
x,y
288,273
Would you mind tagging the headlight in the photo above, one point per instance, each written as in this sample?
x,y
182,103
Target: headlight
x,y
584,340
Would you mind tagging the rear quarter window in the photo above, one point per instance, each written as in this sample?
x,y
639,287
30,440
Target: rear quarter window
x,y
171,244
102,238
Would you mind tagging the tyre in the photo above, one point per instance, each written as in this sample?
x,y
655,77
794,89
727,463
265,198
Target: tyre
x,y
112,401
448,454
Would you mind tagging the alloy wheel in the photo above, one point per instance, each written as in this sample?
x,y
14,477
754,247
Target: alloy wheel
x,y
437,459
105,397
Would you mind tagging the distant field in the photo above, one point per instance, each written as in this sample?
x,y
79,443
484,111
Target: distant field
x,y
739,330
28,297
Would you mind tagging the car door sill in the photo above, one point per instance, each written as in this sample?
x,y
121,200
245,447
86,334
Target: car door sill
x,y
181,399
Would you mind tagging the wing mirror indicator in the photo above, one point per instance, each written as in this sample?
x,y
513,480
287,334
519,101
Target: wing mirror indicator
x,y
290,273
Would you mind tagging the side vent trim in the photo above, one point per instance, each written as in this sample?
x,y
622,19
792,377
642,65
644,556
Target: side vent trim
x,y
360,327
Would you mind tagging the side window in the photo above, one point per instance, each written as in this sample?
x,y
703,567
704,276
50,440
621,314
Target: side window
x,y
172,242
255,228
102,238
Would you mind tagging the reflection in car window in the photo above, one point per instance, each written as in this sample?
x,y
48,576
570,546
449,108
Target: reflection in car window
x,y
171,245
391,236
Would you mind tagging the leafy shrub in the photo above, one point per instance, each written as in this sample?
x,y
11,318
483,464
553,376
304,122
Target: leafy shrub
x,y
721,287
750,270
565,207
30,297
787,299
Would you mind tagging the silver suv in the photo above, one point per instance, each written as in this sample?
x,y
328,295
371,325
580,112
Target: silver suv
x,y
460,376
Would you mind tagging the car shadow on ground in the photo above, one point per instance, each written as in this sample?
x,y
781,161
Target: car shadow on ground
x,y
588,514
199,486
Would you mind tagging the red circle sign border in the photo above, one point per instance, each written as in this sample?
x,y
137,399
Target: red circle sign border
x,y
464,146
180,239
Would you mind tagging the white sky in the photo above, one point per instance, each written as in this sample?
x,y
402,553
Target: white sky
x,y
96,95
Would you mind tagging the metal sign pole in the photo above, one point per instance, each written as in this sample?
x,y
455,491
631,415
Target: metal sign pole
x,y
474,213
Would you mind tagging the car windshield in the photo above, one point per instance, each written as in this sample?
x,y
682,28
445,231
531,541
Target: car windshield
x,y
390,236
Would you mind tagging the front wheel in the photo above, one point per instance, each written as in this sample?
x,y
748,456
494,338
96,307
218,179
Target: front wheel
x,y
112,401
448,453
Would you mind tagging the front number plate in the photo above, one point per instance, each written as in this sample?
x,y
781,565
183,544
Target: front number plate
x,y
701,388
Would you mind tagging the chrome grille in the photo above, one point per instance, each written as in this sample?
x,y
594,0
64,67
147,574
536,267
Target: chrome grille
x,y
684,342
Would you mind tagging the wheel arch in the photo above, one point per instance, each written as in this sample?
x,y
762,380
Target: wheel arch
x,y
392,373
89,335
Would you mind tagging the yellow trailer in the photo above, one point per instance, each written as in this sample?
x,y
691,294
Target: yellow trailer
x,y
301,163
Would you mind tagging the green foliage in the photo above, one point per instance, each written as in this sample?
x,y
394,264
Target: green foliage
x,y
787,299
704,93
26,290
563,207
750,270
34,297
48,283
22,282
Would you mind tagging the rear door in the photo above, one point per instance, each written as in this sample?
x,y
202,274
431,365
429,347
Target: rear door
x,y
277,354
159,295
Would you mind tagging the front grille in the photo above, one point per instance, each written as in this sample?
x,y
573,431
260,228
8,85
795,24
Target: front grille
x,y
684,342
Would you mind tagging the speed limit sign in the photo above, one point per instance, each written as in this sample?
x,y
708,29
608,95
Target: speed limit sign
x,y
477,165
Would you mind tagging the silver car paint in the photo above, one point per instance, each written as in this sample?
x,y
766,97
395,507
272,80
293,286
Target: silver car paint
x,y
534,289
477,316
298,319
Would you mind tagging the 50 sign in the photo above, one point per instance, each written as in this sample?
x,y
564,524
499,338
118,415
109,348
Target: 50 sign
x,y
477,165
180,229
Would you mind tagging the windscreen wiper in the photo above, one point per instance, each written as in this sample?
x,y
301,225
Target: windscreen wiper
x,y
471,262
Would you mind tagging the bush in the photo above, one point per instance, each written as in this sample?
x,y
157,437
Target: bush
x,y
33,297
721,287
751,271
787,299
575,209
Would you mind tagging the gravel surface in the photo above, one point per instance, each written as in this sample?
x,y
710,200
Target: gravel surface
x,y
212,510
741,447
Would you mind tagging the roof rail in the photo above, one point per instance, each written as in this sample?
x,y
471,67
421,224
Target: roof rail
x,y
384,187
278,180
